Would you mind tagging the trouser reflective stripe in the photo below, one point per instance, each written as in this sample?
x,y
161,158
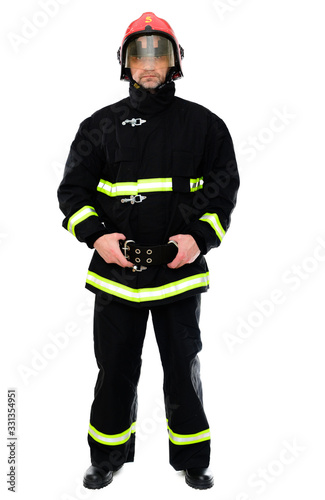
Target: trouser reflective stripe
x,y
214,222
80,216
181,439
111,439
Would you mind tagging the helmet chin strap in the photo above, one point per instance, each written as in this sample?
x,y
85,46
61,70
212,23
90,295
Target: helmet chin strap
x,y
170,74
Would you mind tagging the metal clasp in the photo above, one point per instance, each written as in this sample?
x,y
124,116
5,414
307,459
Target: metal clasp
x,y
139,270
134,122
125,248
138,198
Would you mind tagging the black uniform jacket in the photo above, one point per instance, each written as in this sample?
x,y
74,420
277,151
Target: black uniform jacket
x,y
176,154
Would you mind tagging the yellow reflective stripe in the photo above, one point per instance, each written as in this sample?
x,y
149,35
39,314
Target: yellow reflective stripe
x,y
154,185
80,216
147,294
111,439
196,184
181,439
214,222
143,186
118,189
134,188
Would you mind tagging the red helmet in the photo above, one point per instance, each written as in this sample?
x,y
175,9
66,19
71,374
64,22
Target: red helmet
x,y
150,24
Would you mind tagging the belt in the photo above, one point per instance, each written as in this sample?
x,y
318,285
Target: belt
x,y
143,256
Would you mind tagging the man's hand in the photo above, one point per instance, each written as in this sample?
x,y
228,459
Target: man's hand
x,y
188,250
108,248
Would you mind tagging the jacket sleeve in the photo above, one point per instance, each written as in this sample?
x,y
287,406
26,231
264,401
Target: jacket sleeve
x,y
213,204
77,192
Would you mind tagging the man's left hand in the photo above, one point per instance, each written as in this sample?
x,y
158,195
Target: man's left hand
x,y
188,250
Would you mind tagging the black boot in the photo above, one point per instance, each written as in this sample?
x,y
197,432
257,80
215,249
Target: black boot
x,y
199,478
96,478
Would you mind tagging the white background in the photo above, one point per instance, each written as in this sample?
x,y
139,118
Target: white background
x,y
248,61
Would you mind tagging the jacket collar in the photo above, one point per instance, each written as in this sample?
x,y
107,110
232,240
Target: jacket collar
x,y
148,103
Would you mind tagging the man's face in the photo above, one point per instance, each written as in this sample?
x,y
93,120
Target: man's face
x,y
149,69
149,76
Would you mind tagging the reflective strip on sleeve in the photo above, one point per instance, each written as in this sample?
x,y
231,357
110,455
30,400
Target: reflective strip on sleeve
x,y
111,439
147,294
156,185
181,439
214,222
80,216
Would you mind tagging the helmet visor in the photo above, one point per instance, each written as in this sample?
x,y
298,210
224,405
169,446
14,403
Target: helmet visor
x,y
150,49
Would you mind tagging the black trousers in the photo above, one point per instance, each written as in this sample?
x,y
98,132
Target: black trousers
x,y
119,332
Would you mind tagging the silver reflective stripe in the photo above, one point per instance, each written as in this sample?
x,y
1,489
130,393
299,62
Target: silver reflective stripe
x,y
147,294
111,439
152,185
134,188
80,216
214,222
144,186
196,184
119,189
182,439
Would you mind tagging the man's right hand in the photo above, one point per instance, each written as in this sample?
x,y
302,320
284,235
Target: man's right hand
x,y
108,248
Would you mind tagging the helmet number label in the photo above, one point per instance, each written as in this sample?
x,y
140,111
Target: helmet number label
x,y
148,19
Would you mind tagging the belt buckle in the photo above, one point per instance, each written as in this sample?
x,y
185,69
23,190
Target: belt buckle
x,y
125,248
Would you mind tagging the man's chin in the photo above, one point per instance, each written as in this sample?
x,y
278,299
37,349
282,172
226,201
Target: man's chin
x,y
150,85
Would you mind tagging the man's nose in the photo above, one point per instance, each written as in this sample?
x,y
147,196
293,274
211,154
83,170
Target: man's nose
x,y
149,63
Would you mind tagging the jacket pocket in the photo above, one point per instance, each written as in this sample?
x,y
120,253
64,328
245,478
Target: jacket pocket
x,y
185,171
126,164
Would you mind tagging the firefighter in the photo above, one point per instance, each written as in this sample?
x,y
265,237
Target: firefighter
x,y
150,183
